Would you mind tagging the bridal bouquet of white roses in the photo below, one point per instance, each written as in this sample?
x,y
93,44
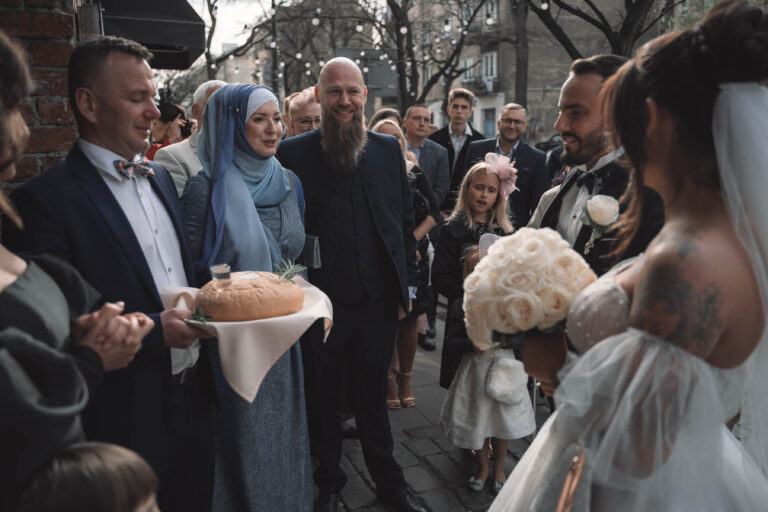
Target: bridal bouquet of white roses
x,y
526,281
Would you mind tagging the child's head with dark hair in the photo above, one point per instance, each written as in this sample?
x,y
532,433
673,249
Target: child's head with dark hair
x,y
91,477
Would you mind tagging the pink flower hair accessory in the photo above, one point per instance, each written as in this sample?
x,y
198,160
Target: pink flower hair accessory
x,y
503,168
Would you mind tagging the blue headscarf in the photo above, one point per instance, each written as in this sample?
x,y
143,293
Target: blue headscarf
x,y
246,185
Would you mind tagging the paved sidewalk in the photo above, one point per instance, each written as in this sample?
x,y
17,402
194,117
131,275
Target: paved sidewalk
x,y
434,469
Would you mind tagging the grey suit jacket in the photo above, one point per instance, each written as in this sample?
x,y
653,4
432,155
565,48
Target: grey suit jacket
x,y
433,161
181,161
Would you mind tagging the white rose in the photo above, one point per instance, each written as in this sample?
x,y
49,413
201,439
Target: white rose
x,y
477,326
518,280
499,318
565,266
498,259
603,210
552,240
581,280
556,301
478,287
524,310
533,254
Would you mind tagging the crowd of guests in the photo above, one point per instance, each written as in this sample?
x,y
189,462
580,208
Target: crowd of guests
x,y
386,218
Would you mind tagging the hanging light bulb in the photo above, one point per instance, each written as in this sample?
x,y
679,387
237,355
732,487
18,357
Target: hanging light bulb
x,y
393,67
279,75
489,20
213,66
306,64
437,39
272,12
282,64
453,40
321,63
438,50
382,56
298,55
403,30
544,6
365,69
359,27
307,72
272,44
464,32
447,26
357,61
315,21
362,53
231,56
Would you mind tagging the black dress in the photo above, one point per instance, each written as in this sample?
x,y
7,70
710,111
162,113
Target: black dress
x,y
448,278
424,204
45,382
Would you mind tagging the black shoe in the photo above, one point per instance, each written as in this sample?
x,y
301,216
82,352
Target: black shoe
x,y
426,343
402,500
327,503
431,333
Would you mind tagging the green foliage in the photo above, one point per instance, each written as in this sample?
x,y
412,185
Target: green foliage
x,y
288,269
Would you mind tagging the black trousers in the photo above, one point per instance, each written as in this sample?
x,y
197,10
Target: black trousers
x,y
359,347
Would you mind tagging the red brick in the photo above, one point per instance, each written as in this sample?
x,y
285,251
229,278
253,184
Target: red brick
x,y
50,54
55,112
38,25
28,113
26,168
48,161
46,140
50,82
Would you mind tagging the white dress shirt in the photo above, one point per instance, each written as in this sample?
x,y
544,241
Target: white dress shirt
x,y
457,141
572,206
154,231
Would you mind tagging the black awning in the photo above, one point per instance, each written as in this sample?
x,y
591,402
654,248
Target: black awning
x,y
171,29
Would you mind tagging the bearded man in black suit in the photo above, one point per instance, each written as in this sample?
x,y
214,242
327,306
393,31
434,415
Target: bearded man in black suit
x,y
359,210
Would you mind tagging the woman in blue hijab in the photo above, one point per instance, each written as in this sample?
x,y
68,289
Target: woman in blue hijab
x,y
246,210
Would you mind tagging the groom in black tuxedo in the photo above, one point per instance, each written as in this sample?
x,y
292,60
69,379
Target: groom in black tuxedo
x,y
594,170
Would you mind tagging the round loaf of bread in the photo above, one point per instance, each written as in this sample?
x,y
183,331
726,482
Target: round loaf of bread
x,y
249,296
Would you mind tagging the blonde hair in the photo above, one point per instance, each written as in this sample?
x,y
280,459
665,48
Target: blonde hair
x,y
400,136
300,100
499,217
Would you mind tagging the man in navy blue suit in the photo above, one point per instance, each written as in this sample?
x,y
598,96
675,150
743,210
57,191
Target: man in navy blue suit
x,y
532,180
117,219
359,210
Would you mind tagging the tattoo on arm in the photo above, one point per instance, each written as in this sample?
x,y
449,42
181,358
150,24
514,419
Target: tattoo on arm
x,y
671,307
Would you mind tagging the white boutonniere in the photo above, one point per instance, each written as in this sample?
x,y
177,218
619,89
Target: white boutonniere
x,y
600,213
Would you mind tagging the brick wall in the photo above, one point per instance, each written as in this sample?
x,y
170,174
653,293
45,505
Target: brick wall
x,y
48,31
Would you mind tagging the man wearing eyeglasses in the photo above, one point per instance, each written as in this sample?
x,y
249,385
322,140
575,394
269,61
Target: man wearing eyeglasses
x,y
530,162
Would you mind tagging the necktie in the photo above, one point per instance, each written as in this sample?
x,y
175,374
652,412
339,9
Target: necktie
x,y
128,168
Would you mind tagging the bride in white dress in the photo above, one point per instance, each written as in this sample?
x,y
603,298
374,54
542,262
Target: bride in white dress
x,y
674,344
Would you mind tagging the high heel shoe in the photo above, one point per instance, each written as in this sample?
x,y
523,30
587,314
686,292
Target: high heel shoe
x,y
392,403
405,401
496,487
475,484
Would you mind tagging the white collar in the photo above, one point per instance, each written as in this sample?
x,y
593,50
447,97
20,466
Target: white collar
x,y
102,158
467,131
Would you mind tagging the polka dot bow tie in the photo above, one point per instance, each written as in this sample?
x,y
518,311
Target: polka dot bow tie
x,y
128,168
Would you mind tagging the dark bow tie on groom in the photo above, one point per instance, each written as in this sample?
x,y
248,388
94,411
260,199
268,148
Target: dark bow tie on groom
x,y
594,177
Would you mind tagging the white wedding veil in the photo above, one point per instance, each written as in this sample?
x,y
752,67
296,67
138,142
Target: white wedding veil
x,y
740,128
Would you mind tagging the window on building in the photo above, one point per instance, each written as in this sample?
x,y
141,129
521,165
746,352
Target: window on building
x,y
468,64
489,65
491,12
489,121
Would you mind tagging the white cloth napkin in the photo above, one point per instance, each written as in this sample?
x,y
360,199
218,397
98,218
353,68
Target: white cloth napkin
x,y
249,349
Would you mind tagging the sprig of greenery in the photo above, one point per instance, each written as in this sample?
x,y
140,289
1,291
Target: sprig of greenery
x,y
199,316
288,269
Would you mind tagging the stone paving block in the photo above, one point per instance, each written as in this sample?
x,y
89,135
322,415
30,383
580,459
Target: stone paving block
x,y
424,431
446,468
357,493
475,501
403,457
518,447
442,500
357,460
398,436
442,442
422,446
419,479
347,467
463,458
405,419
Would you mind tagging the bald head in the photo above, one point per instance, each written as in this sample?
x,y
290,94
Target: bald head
x,y
340,64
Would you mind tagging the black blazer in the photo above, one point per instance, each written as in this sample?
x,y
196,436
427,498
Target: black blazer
x,y
442,137
386,185
69,211
532,179
613,185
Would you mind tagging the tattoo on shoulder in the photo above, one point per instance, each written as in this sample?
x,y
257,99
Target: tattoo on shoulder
x,y
674,309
